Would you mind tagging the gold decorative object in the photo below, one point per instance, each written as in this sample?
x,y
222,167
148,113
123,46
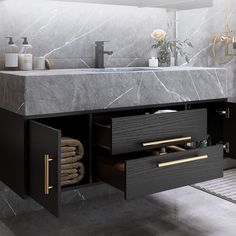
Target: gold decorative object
x,y
226,39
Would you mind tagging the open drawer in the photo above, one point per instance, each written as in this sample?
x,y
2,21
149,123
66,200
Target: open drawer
x,y
145,174
141,132
44,151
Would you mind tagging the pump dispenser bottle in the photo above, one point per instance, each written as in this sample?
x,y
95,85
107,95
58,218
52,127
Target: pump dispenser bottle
x,y
11,55
25,56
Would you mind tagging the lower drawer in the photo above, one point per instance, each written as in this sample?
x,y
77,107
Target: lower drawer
x,y
144,174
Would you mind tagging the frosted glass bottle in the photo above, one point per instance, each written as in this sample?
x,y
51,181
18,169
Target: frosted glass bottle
x,y
11,55
25,56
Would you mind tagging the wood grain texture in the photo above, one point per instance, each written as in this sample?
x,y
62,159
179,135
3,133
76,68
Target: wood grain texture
x,y
129,133
144,177
45,140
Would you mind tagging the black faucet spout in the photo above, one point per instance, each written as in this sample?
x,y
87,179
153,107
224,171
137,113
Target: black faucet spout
x,y
99,54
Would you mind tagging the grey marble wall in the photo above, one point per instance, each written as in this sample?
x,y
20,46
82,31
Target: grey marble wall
x,y
66,31
200,26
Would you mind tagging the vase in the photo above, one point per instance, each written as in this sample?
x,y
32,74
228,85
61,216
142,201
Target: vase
x,y
164,58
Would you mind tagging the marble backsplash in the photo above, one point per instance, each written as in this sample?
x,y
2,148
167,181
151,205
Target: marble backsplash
x,y
66,32
200,26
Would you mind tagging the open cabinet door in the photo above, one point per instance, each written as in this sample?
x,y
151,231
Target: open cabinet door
x,y
45,166
229,130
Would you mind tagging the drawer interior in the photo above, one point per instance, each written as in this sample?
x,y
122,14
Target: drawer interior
x,y
118,161
77,128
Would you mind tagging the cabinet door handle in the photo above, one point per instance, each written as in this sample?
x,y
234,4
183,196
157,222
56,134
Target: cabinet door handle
x,y
190,159
154,143
47,160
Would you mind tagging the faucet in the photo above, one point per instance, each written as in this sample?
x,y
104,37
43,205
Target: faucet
x,y
99,54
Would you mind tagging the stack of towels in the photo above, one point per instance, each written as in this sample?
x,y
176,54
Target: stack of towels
x,y
72,169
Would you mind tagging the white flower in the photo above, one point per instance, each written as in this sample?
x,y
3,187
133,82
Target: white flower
x,y
158,35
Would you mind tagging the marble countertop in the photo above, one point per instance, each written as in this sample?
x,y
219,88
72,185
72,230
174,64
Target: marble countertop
x,y
58,91
83,71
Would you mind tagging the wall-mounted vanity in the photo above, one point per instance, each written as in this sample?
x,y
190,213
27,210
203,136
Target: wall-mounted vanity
x,y
114,115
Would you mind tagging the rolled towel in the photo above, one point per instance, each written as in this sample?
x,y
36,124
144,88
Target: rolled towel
x,y
70,160
68,154
69,171
66,141
68,149
74,181
80,149
69,177
70,166
81,173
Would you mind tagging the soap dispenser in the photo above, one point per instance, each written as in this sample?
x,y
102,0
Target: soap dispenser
x,y
11,55
25,56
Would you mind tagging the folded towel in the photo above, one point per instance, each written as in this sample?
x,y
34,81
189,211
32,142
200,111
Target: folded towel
x,y
68,149
74,181
69,142
81,169
70,160
69,177
68,154
80,149
81,173
66,141
70,166
68,171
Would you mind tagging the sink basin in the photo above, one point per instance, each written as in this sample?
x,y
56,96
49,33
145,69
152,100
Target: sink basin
x,y
120,69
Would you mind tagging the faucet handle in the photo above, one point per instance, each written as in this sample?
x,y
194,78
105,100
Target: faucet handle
x,y
101,43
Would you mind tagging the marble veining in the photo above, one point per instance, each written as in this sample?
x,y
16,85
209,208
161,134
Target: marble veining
x,y
203,26
65,32
59,91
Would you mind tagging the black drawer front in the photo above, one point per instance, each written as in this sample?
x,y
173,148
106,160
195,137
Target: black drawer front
x,y
149,175
143,176
128,134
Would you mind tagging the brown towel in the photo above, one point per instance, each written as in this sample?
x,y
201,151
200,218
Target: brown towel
x,y
69,177
81,169
81,173
70,166
69,142
68,154
69,171
66,141
80,149
74,181
68,149
70,160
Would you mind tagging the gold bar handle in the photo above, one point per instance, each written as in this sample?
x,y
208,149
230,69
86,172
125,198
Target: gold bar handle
x,y
166,141
191,159
47,160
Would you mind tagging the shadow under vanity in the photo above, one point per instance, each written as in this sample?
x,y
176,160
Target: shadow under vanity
x,y
121,148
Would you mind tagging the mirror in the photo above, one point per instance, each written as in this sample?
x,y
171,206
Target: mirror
x,y
169,4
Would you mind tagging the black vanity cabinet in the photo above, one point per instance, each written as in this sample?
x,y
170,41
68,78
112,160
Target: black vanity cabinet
x,y
31,158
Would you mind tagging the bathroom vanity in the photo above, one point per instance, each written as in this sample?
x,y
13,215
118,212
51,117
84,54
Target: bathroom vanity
x,y
113,113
